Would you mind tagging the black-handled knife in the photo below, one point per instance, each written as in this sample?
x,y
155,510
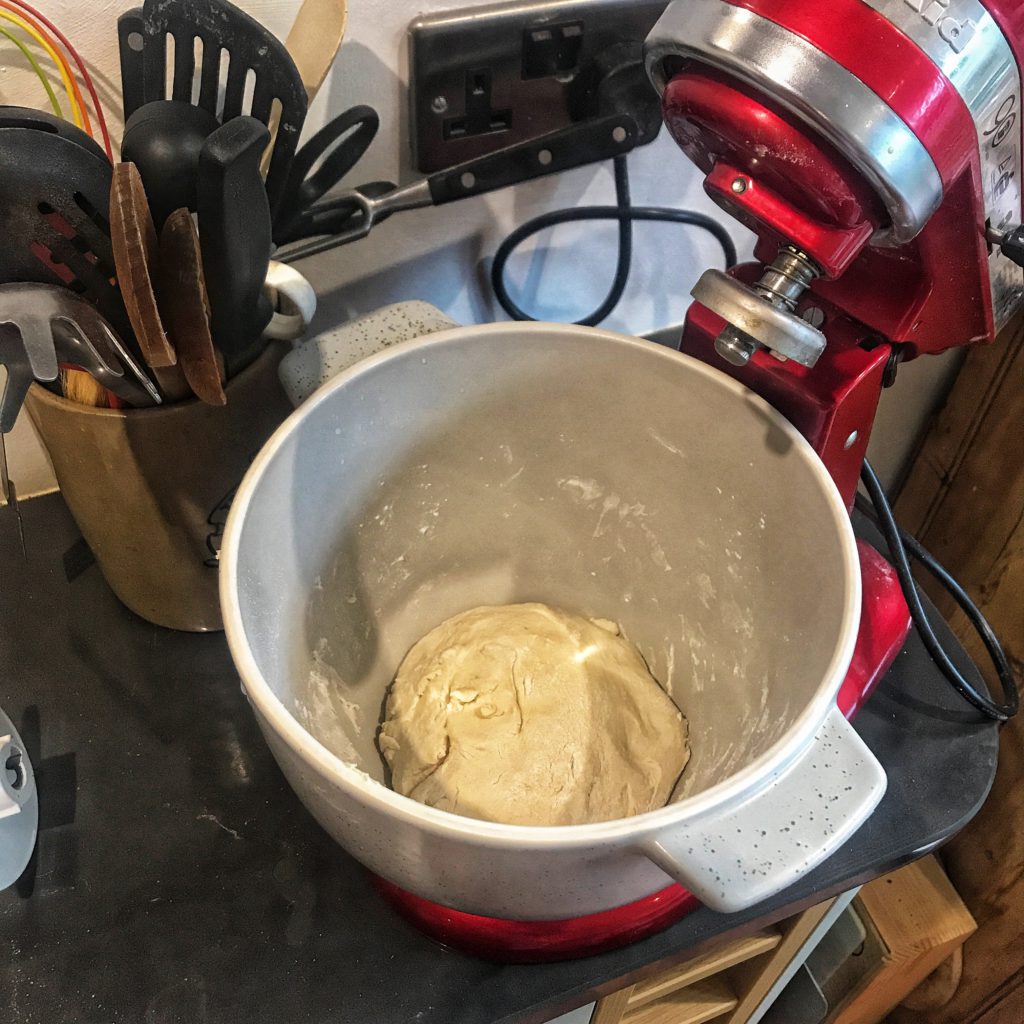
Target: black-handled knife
x,y
234,236
351,215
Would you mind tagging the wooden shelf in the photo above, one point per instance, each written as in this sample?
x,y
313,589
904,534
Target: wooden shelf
x,y
696,1003
915,919
720,959
726,984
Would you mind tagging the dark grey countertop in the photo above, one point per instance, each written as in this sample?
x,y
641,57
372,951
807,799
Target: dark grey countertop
x,y
177,878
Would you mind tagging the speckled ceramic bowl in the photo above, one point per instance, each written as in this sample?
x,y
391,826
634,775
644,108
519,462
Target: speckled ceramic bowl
x,y
512,462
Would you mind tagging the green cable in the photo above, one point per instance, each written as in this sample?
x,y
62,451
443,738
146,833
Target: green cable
x,y
35,67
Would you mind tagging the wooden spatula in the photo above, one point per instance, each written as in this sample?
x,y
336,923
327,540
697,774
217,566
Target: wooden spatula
x,y
185,305
315,38
134,241
136,255
313,41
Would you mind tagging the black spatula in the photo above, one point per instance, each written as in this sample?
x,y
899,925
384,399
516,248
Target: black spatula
x,y
41,121
130,41
227,33
54,208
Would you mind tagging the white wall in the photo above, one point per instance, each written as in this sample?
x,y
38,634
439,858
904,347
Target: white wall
x,y
440,255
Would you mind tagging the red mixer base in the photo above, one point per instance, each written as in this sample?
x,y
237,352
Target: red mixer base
x,y
533,942
884,625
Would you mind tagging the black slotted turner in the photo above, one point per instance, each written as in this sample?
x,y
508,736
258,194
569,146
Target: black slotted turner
x,y
54,206
249,47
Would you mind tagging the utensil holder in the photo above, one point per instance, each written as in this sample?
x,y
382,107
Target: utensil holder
x,y
150,488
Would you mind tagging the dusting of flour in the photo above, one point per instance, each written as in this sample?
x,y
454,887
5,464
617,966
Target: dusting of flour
x,y
325,713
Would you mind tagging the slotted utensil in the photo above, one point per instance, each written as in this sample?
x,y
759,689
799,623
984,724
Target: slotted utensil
x,y
54,200
130,41
41,121
22,368
186,306
226,32
91,344
82,337
53,326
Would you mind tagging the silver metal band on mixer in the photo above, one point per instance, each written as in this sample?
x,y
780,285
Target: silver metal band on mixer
x,y
963,40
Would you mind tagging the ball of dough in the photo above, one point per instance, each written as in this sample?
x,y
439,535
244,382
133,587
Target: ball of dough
x,y
529,715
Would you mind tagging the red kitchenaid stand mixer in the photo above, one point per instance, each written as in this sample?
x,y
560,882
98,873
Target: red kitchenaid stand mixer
x,y
874,148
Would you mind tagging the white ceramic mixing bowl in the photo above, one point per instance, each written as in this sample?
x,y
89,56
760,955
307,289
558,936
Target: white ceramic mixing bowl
x,y
606,475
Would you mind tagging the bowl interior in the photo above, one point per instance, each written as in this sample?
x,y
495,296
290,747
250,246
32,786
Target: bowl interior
x,y
539,463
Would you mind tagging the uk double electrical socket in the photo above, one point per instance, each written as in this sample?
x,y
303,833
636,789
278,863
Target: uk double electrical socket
x,y
485,78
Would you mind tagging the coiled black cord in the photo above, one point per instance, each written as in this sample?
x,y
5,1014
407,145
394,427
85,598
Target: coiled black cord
x,y
899,543
625,213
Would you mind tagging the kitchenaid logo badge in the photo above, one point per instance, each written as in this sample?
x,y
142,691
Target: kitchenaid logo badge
x,y
956,31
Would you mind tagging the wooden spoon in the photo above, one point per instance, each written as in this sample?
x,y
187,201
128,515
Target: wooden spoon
x,y
184,303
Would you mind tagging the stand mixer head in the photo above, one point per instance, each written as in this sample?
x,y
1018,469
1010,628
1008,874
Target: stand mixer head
x,y
874,147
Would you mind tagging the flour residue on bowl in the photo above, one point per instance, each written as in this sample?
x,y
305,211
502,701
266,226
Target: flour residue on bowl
x,y
667,445
610,507
323,710
705,589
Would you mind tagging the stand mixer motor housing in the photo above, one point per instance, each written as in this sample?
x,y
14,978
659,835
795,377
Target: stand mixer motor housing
x,y
874,147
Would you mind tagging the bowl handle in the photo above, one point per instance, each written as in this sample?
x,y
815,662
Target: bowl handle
x,y
757,846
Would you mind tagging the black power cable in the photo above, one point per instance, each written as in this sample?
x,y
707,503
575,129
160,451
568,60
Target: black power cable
x,y
625,213
899,543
